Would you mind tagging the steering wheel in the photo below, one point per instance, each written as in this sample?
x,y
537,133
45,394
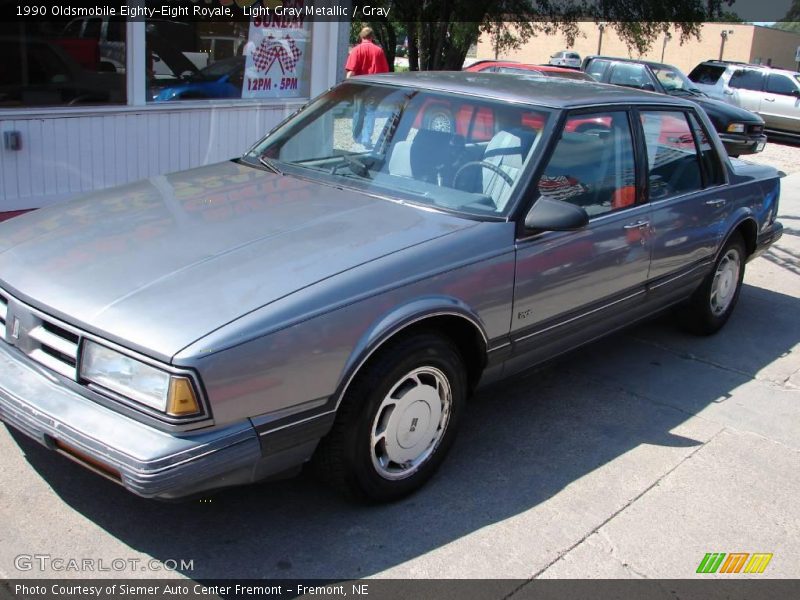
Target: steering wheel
x,y
482,163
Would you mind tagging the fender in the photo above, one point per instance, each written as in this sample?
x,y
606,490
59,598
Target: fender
x,y
742,215
394,322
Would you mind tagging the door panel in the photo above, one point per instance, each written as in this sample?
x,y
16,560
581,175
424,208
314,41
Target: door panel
x,y
569,277
745,87
780,108
686,210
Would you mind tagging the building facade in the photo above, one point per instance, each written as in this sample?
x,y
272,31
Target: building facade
x,y
729,41
98,101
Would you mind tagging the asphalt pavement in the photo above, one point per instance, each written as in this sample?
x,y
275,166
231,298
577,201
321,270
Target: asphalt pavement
x,y
633,457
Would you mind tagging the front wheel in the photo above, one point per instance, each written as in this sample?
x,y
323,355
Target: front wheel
x,y
397,421
712,304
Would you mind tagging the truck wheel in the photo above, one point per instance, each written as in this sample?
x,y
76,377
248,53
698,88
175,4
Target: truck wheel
x,y
712,304
397,420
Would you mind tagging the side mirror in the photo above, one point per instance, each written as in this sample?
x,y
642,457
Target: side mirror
x,y
648,87
554,215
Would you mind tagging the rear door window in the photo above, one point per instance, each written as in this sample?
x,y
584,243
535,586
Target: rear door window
x,y
712,167
747,79
672,158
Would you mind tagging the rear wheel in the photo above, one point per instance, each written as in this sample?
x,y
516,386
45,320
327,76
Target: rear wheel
x,y
712,304
397,420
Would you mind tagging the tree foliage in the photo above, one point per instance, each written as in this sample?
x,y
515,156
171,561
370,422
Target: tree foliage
x,y
790,22
440,32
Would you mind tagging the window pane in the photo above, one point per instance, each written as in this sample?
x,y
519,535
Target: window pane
x,y
52,64
205,60
597,68
706,74
673,166
593,164
747,80
708,155
780,84
413,142
629,75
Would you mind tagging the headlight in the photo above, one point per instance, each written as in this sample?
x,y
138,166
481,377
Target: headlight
x,y
131,378
736,128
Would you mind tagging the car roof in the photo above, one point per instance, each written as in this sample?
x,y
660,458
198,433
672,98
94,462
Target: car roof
x,y
737,64
517,65
554,92
649,63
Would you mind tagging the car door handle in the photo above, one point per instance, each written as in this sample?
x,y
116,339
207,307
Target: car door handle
x,y
716,202
770,99
637,225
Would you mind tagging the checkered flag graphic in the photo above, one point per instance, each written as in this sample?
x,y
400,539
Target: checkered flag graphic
x,y
285,51
561,187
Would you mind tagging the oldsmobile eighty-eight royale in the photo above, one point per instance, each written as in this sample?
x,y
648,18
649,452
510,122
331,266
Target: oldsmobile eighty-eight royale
x,y
337,293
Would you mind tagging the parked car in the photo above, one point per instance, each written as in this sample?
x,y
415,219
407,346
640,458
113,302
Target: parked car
x,y
566,58
223,79
741,131
501,66
313,300
774,94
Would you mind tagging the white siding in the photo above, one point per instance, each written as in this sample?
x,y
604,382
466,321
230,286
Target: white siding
x,y
66,152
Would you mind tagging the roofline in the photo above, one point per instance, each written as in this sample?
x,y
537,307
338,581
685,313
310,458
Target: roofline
x,y
656,99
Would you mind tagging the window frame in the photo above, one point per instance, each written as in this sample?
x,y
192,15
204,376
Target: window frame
x,y
792,81
685,111
695,116
760,73
531,194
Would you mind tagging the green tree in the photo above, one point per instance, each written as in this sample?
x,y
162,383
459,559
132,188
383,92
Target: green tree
x,y
440,32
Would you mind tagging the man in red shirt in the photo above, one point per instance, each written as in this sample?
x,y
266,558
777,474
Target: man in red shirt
x,y
365,59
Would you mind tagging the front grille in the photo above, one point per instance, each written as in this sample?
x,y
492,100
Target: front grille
x,y
42,338
57,348
755,129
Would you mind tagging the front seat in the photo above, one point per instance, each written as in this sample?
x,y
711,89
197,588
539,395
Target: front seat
x,y
506,150
429,156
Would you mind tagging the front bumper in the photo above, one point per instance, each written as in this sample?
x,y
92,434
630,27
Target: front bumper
x,y
146,461
738,144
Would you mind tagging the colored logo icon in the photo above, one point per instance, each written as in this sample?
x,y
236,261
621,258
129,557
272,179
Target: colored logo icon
x,y
735,562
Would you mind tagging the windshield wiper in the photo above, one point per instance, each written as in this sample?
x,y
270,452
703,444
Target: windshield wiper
x,y
269,164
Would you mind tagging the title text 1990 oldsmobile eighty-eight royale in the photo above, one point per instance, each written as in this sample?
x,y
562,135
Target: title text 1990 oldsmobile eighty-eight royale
x,y
336,294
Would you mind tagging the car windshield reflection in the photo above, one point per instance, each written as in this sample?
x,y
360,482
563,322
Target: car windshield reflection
x,y
459,153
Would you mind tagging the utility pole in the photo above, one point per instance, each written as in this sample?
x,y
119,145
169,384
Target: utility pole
x,y
601,26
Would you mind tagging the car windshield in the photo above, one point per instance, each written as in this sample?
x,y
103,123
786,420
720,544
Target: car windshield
x,y
674,81
452,152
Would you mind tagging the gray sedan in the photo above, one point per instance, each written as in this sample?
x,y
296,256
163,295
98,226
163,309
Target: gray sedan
x,y
336,294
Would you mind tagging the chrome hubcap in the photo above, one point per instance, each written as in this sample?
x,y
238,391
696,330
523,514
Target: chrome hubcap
x,y
726,279
410,422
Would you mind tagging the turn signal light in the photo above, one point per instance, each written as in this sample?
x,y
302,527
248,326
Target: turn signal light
x,y
181,400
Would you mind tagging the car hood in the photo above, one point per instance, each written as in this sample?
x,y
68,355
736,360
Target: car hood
x,y
157,264
719,111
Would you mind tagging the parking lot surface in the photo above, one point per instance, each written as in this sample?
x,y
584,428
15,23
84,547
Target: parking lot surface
x,y
633,457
